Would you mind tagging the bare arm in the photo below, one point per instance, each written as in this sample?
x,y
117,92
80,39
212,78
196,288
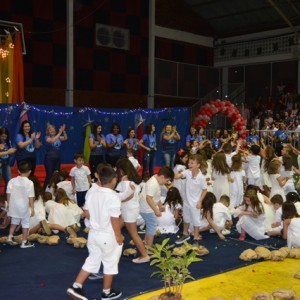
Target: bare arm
x,y
153,206
214,227
286,224
199,202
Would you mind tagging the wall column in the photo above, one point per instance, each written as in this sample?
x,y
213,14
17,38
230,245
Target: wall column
x,y
151,56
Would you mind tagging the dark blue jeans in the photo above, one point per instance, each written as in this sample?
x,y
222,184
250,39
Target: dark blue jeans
x,y
52,164
149,162
5,173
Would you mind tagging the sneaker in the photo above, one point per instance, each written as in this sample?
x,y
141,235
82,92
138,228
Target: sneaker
x,y
196,243
139,260
182,239
46,227
225,232
26,244
112,295
71,231
76,293
11,241
212,231
96,276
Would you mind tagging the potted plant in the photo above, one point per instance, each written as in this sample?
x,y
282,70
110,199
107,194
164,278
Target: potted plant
x,y
172,269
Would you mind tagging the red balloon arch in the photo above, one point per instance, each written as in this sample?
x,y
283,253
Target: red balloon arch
x,y
212,108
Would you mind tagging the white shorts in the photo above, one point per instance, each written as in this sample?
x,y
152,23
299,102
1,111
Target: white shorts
x,y
191,214
23,221
254,181
103,248
130,215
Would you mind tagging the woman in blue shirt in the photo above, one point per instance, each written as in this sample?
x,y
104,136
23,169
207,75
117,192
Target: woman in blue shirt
x,y
131,142
6,150
148,143
114,144
27,142
97,145
169,139
53,146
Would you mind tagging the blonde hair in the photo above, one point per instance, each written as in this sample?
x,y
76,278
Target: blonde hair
x,y
48,128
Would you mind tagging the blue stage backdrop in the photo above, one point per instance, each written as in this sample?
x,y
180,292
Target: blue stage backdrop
x,y
77,118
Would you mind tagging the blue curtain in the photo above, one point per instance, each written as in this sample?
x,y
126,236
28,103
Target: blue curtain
x,y
76,118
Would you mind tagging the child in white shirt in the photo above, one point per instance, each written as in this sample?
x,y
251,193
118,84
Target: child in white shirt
x,y
277,226
105,241
150,205
81,179
20,198
253,168
130,155
196,189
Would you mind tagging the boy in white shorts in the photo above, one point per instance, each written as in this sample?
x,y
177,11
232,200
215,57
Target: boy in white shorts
x,y
20,199
105,241
196,189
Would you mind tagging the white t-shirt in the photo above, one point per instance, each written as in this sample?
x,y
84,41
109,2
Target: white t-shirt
x,y
253,170
102,204
80,177
152,188
135,162
20,190
194,186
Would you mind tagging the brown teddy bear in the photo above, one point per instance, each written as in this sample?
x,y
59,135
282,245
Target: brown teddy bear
x,y
263,252
284,251
294,253
277,255
50,240
77,242
248,255
130,252
284,294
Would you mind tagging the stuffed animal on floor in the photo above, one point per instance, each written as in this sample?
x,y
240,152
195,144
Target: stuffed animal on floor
x,y
262,296
248,255
284,294
294,253
3,239
130,252
50,240
263,252
216,298
77,242
33,237
284,251
297,275
277,255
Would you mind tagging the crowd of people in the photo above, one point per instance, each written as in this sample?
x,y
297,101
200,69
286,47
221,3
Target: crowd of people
x,y
216,184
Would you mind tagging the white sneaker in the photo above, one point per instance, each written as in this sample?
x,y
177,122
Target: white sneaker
x,y
26,244
211,231
11,241
225,232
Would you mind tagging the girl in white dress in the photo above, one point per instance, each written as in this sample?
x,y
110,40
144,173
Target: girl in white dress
x,y
289,171
238,175
251,217
209,212
220,175
291,225
180,165
267,153
294,198
130,207
277,180
172,204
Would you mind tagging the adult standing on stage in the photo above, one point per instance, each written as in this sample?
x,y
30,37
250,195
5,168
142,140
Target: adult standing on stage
x,y
169,139
6,150
148,143
114,144
53,145
27,142
97,145
131,141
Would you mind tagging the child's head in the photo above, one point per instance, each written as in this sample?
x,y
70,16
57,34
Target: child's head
x,y
251,199
292,197
255,149
106,175
236,162
63,174
227,148
46,196
24,168
165,175
4,135
181,157
126,168
289,211
130,153
194,162
61,196
173,197
207,204
219,163
194,144
79,159
224,199
277,201
274,166
287,162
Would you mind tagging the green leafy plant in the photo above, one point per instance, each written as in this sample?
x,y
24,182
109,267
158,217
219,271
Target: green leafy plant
x,y
172,269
